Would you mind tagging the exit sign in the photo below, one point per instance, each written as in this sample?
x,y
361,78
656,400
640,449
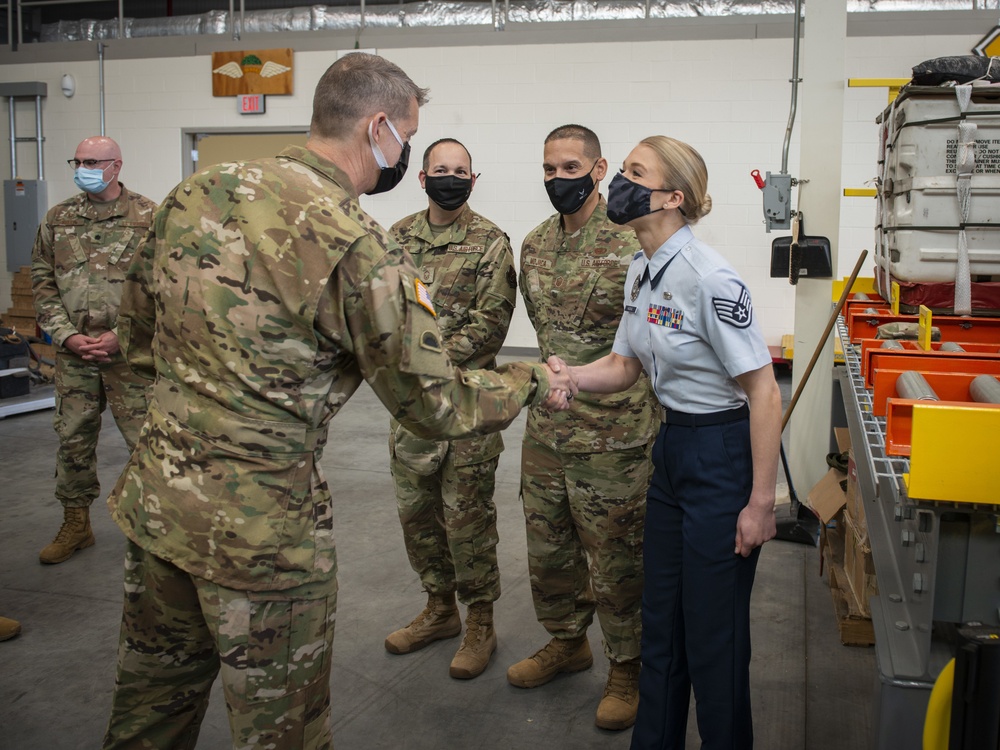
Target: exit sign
x,y
250,104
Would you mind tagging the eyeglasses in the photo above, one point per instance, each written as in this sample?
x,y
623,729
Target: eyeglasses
x,y
88,163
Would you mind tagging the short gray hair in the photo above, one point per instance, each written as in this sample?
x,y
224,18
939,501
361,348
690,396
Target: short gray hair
x,y
360,84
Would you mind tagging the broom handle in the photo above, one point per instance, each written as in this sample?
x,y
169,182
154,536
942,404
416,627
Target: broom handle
x,y
822,339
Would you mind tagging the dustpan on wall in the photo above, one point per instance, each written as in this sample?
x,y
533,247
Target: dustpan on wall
x,y
800,255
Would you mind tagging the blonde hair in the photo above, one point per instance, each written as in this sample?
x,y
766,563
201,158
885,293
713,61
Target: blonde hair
x,y
684,170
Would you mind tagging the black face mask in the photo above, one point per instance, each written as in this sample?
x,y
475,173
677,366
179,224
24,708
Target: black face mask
x,y
448,191
628,200
389,177
569,195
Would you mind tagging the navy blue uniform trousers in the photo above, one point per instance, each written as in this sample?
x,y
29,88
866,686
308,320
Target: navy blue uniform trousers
x,y
696,595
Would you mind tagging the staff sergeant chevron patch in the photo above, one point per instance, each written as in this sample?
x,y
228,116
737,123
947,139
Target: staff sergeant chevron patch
x,y
737,313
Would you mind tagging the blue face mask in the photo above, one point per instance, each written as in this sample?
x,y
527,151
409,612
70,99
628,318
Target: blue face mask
x,y
90,180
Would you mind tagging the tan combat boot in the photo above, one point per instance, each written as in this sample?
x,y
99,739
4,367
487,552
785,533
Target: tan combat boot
x,y
8,628
621,696
558,655
477,647
440,619
74,534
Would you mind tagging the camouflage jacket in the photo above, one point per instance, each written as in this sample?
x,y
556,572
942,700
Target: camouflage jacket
x,y
573,288
469,269
78,263
262,299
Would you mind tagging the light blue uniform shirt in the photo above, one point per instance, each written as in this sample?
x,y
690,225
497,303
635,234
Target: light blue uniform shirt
x,y
689,319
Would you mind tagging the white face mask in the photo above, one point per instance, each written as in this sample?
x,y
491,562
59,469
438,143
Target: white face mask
x,y
379,156
388,177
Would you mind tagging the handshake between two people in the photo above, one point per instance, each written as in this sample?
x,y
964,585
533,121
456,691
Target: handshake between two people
x,y
563,385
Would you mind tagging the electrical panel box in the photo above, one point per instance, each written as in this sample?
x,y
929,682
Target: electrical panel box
x,y
777,192
24,205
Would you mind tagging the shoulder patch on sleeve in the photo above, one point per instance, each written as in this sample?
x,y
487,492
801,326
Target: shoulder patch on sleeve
x,y
424,296
429,340
511,277
737,313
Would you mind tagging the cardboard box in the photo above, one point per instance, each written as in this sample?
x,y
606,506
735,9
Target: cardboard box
x,y
859,568
843,437
827,497
855,627
855,508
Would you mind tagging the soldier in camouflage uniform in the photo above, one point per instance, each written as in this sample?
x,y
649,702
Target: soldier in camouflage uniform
x,y
261,301
81,254
584,472
444,490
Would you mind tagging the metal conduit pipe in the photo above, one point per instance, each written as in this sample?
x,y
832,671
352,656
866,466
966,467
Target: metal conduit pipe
x,y
100,81
914,386
795,80
951,346
891,344
13,141
38,137
985,389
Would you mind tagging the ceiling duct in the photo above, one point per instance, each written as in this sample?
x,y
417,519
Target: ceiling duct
x,y
437,14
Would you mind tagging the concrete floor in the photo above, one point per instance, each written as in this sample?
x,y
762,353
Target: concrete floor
x,y
56,677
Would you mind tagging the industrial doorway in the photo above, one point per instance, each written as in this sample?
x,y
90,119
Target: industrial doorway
x,y
206,147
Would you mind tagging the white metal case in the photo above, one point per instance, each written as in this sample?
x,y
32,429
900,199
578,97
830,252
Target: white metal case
x,y
931,142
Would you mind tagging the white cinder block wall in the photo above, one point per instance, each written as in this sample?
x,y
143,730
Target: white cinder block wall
x,y
728,98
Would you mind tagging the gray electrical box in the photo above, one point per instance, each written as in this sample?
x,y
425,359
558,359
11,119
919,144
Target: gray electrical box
x,y
777,192
24,205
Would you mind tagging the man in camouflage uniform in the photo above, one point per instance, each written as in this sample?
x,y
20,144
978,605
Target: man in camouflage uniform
x,y
81,254
262,299
444,490
584,472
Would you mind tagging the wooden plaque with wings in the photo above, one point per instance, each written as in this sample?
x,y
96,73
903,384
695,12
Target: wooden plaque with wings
x,y
262,71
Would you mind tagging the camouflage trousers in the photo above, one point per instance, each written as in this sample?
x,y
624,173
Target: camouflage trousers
x,y
83,389
449,525
179,631
584,517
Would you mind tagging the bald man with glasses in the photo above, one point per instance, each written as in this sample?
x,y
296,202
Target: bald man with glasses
x,y
81,255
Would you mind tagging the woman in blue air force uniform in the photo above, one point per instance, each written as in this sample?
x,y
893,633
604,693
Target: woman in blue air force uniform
x,y
688,322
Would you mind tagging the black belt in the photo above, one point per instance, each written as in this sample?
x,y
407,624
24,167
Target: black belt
x,y
669,416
